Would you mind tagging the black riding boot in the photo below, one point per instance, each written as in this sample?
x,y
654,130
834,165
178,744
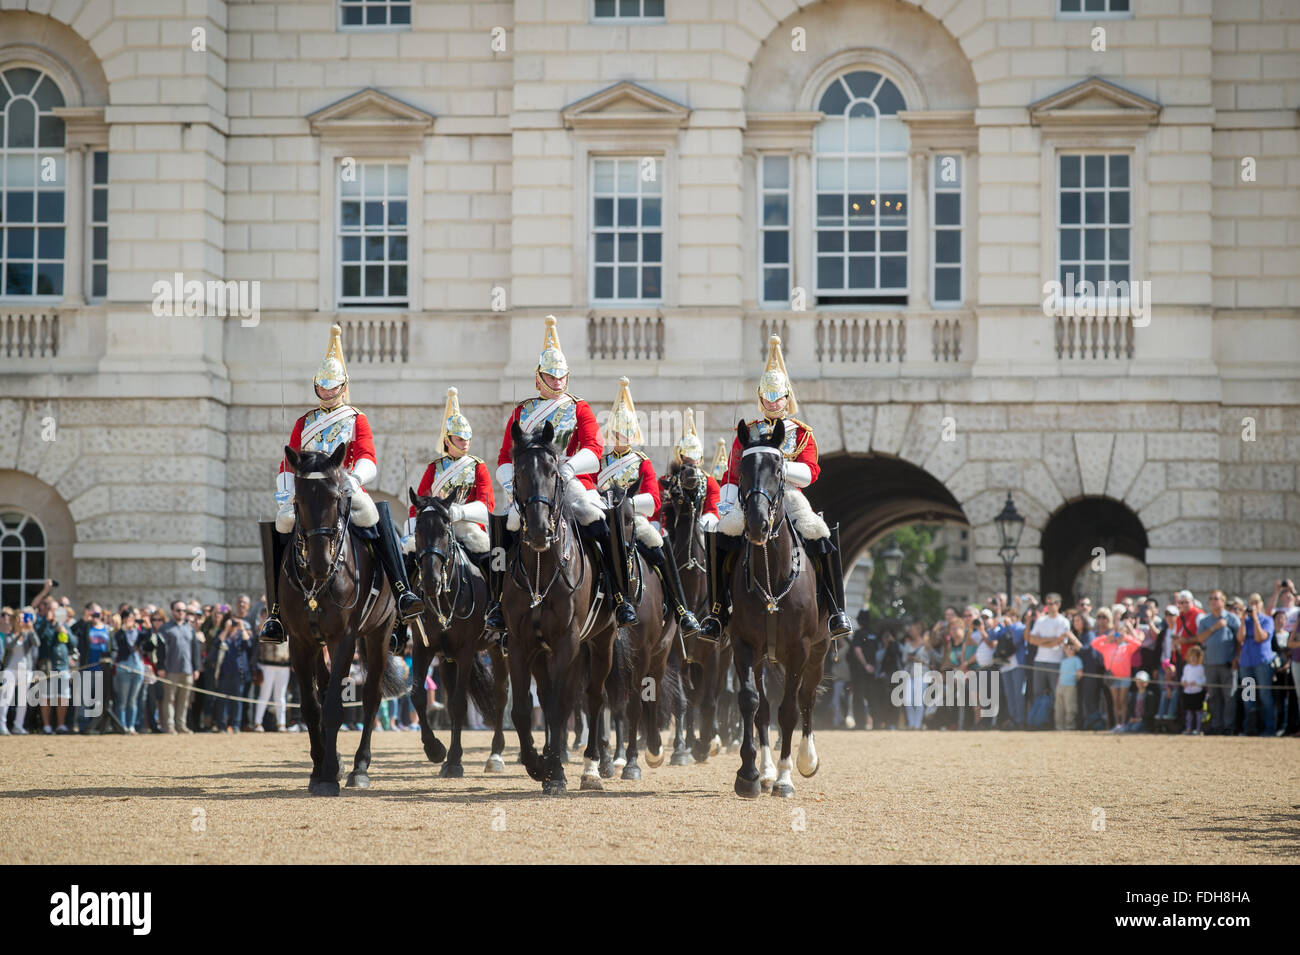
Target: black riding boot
x,y
719,588
665,565
832,579
272,551
409,603
494,620
624,612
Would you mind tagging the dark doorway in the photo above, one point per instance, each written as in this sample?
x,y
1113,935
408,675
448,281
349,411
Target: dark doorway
x,y
1080,526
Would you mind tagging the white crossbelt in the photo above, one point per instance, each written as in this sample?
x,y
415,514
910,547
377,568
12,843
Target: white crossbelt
x,y
616,468
323,422
442,479
543,411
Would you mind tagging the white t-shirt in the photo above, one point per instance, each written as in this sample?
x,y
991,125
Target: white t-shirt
x,y
1194,674
1048,628
983,651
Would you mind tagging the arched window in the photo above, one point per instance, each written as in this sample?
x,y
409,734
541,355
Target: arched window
x,y
32,184
862,192
22,558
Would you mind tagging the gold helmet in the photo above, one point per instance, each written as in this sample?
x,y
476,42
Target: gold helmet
x,y
333,370
775,382
453,422
552,360
623,421
720,461
690,445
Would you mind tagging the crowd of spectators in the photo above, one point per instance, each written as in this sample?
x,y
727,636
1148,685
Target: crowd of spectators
x,y
1225,667
183,668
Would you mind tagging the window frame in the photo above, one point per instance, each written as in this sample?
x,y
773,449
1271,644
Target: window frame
x,y
962,229
1060,14
1083,153
339,236
28,586
620,19
616,301
761,191
907,292
364,5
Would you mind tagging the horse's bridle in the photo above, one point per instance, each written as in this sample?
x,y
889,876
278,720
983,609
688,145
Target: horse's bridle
x,y
693,502
773,528
337,547
434,597
537,593
552,508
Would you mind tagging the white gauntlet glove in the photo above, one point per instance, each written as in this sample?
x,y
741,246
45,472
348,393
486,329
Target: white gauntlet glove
x,y
727,499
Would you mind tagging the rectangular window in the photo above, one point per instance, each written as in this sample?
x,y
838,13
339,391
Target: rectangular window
x,y
605,10
1094,219
1093,8
627,229
378,14
32,190
774,230
946,223
99,225
372,234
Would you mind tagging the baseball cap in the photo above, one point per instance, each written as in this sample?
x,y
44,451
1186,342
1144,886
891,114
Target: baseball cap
x,y
1142,676
1171,609
986,613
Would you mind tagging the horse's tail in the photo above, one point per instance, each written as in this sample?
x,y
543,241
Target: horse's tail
x,y
481,688
672,695
618,685
395,681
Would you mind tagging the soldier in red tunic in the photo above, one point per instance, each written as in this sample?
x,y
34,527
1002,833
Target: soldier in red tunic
x,y
323,429
776,397
461,479
578,437
689,453
626,467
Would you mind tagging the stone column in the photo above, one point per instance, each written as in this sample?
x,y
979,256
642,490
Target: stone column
x,y
802,224
74,229
918,231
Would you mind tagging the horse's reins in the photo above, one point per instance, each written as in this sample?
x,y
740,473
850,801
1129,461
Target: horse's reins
x,y
693,502
444,579
338,545
536,593
773,601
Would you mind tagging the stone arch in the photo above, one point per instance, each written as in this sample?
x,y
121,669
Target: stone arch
x,y
32,39
1073,531
29,495
934,60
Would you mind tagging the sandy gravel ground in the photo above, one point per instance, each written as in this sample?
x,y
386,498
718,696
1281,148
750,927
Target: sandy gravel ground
x,y
879,797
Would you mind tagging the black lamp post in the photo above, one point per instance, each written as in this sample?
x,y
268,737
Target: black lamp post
x,y
1010,526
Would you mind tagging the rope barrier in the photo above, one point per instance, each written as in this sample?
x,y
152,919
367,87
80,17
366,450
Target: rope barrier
x,y
1102,676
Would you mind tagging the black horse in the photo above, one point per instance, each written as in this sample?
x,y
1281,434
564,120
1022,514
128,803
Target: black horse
x,y
556,620
707,660
334,595
775,618
455,599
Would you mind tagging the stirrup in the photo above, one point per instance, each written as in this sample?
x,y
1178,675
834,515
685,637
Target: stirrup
x,y
710,628
409,606
494,620
687,622
624,612
272,630
839,625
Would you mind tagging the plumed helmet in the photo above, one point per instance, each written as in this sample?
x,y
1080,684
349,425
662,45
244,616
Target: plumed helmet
x,y
775,382
690,445
623,421
453,422
552,360
333,370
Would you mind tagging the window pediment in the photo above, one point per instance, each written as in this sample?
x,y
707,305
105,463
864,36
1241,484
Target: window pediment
x,y
1094,103
622,106
370,115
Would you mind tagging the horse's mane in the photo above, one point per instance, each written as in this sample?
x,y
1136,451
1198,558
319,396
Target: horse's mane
x,y
309,461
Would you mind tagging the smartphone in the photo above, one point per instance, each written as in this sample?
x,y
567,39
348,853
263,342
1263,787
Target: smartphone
x,y
29,617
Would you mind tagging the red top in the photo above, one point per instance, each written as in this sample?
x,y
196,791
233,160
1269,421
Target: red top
x,y
481,491
650,485
807,456
585,435
361,446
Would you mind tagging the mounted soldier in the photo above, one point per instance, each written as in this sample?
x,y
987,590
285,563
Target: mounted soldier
x,y
720,462
630,469
688,453
462,480
799,449
577,437
323,429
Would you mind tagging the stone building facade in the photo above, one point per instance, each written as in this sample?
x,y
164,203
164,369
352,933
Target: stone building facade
x,y
676,184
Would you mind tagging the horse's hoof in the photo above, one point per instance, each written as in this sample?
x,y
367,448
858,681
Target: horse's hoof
x,y
553,787
631,771
700,752
606,768
435,751
747,788
766,784
654,761
783,789
495,764
807,762
715,746
323,787
358,781
591,784
620,762
681,758
452,771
